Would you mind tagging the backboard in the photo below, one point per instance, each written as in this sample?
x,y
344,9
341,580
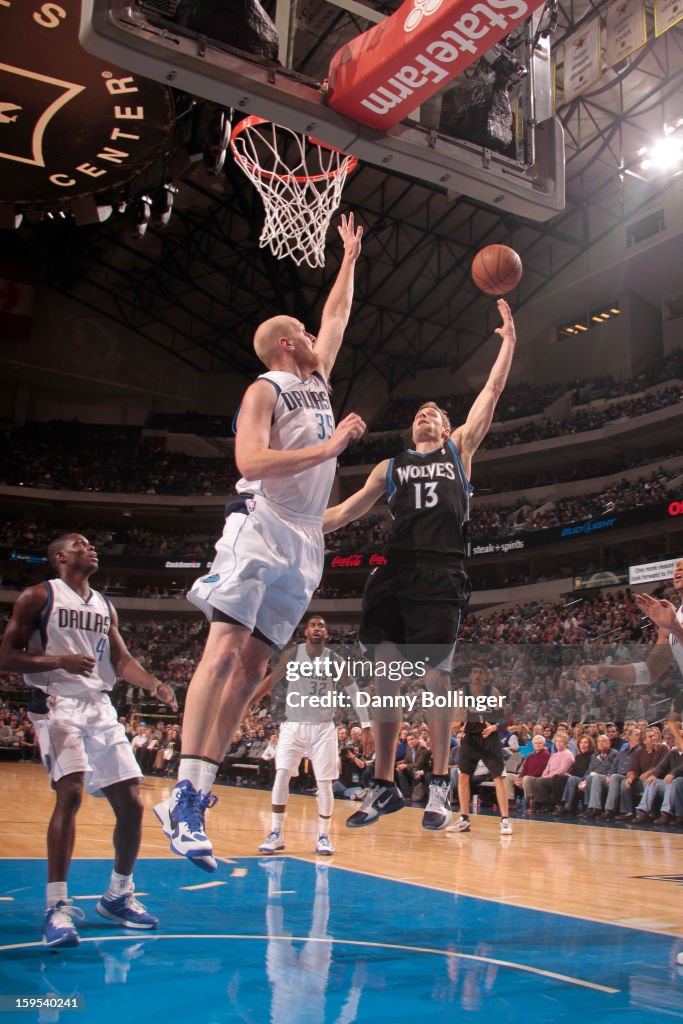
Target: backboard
x,y
524,177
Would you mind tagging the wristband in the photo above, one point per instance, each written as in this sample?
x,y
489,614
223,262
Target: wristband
x,y
642,673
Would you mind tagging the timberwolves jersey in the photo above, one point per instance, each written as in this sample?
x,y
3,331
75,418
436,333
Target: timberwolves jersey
x,y
71,624
428,495
302,418
310,686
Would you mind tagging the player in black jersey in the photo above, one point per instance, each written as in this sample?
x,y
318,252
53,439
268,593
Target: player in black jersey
x,y
418,596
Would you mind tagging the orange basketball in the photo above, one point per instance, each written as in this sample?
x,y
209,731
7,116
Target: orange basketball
x,y
497,269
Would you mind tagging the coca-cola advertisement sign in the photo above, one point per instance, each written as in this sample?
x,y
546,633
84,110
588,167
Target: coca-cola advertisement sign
x,y
355,560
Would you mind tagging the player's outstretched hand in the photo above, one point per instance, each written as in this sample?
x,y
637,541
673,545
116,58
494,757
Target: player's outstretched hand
x,y
589,673
662,613
351,236
78,664
350,429
507,330
166,694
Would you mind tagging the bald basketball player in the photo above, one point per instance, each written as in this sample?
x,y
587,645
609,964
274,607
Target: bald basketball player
x,y
269,559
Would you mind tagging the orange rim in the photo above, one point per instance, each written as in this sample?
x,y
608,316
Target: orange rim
x,y
252,121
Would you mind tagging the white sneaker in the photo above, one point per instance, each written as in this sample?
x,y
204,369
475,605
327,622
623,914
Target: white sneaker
x,y
273,843
324,847
505,827
461,825
437,813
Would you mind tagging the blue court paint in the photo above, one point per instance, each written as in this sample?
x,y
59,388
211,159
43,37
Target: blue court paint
x,y
290,942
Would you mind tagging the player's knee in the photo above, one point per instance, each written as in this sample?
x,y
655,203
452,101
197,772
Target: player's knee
x,y
130,809
69,794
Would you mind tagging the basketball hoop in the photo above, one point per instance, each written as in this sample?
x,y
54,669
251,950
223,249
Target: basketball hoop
x,y
300,181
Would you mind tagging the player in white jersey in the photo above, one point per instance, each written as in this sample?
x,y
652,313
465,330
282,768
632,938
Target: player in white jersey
x,y
63,636
668,646
308,730
270,557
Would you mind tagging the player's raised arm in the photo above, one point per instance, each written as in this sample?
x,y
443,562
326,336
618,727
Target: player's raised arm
x,y
637,673
256,460
469,436
337,308
356,505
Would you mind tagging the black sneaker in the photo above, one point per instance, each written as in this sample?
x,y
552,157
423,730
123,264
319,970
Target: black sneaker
x,y
438,814
378,800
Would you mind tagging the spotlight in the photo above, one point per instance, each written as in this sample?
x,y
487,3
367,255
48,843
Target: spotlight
x,y
666,153
87,211
664,156
163,204
10,217
142,212
216,141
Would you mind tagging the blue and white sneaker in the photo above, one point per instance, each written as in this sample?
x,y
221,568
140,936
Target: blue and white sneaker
x,y
273,843
324,847
182,819
378,800
59,929
126,910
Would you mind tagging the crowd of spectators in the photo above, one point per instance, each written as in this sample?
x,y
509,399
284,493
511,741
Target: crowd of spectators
x,y
191,422
525,399
91,457
622,496
102,459
584,420
17,735
369,533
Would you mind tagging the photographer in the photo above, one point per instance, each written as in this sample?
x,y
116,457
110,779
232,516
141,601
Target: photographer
x,y
351,766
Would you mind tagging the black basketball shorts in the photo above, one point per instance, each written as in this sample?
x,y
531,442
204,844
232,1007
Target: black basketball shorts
x,y
418,606
475,748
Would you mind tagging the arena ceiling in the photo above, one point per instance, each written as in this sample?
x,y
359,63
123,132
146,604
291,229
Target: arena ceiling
x,y
198,287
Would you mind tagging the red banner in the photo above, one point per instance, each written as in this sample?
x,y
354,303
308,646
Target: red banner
x,y
383,75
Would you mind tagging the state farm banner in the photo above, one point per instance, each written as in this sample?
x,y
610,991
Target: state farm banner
x,y
581,60
384,74
625,29
667,14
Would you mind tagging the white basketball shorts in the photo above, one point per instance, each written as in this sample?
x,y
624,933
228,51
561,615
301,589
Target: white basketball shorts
x,y
315,740
266,569
85,735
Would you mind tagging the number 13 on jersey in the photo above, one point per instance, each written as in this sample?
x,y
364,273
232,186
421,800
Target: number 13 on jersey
x,y
425,494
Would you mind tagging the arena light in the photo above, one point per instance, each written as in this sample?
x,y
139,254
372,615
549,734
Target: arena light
x,y
10,217
664,155
579,325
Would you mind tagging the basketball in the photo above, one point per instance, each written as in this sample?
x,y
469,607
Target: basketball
x,y
497,269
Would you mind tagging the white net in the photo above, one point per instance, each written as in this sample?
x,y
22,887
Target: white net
x,y
300,181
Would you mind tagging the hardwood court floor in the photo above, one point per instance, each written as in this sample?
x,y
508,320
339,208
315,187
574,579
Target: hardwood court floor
x,y
587,871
